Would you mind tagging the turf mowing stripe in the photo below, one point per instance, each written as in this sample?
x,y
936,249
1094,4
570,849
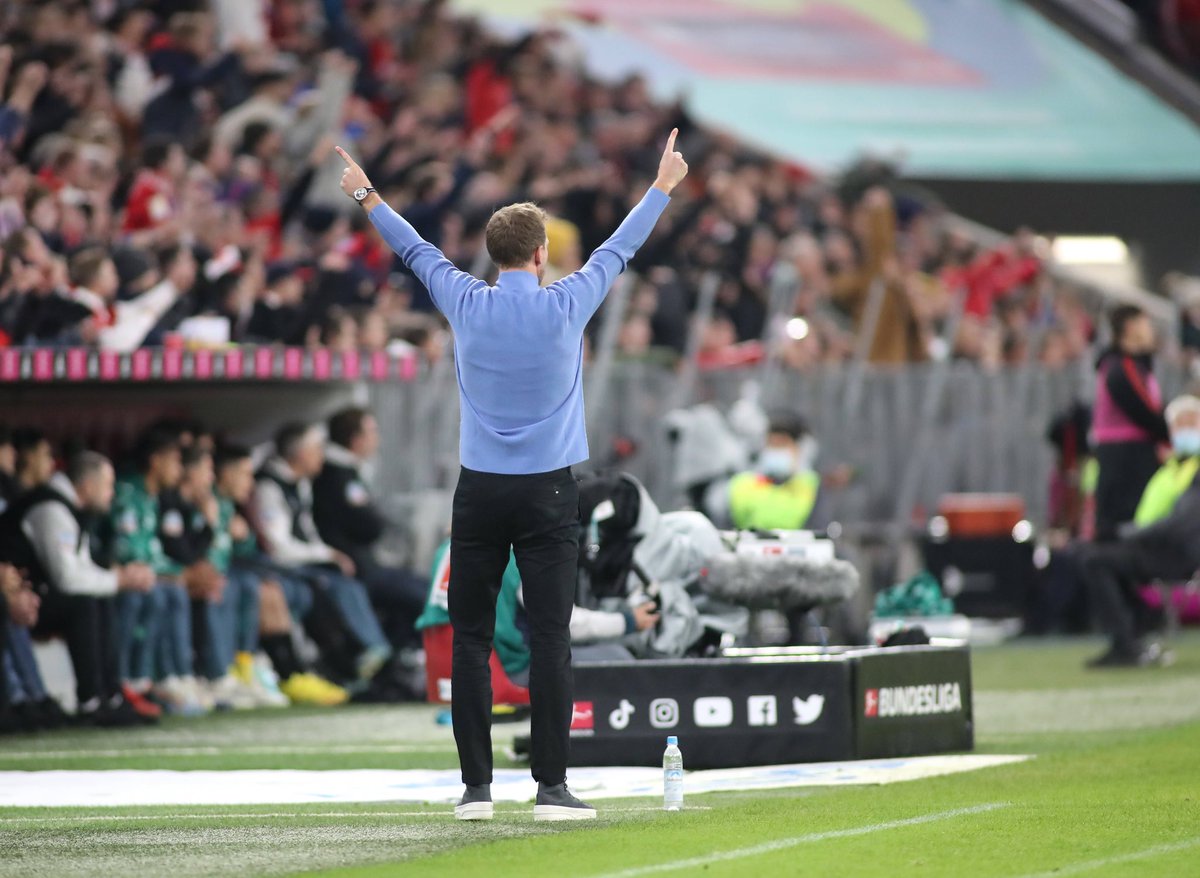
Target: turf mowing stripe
x,y
445,812
1089,865
785,843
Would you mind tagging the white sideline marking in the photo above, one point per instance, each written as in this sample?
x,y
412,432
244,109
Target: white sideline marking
x,y
118,818
1088,865
278,788
222,751
284,815
785,843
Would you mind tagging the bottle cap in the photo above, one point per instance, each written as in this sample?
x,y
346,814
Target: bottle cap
x,y
672,740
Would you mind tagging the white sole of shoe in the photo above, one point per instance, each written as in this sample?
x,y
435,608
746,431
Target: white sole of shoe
x,y
474,811
561,812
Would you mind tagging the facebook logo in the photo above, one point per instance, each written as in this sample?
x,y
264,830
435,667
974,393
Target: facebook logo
x,y
762,710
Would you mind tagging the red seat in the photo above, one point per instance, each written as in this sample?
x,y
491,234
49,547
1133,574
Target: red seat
x,y
439,650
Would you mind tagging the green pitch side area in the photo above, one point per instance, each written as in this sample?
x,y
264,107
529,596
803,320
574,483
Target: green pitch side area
x,y
1114,790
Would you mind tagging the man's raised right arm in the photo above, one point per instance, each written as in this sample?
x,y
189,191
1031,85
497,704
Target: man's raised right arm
x,y
446,283
588,286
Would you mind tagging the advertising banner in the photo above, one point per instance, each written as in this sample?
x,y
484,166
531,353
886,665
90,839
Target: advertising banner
x,y
769,707
726,712
911,700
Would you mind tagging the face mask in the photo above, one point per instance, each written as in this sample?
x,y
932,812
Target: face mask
x,y
777,463
1186,442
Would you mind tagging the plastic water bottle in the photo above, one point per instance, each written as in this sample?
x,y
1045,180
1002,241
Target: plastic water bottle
x,y
672,776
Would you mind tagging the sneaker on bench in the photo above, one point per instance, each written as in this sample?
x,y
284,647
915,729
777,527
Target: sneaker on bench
x,y
475,804
557,803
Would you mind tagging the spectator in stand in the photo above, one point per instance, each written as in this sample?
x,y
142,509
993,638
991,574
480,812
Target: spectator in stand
x,y
152,211
451,121
279,315
89,312
349,520
875,290
154,628
1127,420
46,533
284,511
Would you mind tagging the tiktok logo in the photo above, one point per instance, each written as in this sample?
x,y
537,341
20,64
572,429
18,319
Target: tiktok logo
x,y
619,718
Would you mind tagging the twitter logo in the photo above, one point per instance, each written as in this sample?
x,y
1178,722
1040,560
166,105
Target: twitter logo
x,y
808,710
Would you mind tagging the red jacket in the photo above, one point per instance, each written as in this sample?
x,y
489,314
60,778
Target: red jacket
x,y
151,202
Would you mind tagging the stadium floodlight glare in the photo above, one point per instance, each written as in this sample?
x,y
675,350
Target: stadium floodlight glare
x,y
1090,250
797,328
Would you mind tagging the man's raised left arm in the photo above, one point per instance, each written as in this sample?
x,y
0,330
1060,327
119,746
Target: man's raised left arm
x,y
588,286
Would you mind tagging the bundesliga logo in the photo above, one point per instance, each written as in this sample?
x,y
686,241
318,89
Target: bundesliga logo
x,y
913,700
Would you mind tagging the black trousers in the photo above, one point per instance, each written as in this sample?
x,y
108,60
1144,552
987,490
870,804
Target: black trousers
x,y
86,623
1125,470
537,516
1114,571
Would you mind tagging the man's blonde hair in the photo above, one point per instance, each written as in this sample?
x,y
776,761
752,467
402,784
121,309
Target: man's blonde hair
x,y
514,233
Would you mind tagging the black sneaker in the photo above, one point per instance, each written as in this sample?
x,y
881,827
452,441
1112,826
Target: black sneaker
x,y
1115,658
557,803
1137,656
475,804
9,723
52,714
116,713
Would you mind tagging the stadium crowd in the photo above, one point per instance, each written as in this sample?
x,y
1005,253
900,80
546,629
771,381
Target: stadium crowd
x,y
193,580
168,176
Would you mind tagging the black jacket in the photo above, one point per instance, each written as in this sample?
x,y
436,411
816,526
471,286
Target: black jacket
x,y
1126,379
182,528
343,509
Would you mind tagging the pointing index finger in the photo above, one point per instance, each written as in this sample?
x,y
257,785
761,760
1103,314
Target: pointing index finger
x,y
671,140
345,157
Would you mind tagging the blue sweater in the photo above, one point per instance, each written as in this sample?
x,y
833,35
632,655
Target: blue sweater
x,y
519,347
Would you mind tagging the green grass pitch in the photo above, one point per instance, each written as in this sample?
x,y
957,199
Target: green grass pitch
x,y
1114,790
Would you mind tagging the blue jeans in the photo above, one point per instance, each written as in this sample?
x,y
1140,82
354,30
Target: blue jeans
x,y
138,620
232,622
351,599
174,647
298,594
20,667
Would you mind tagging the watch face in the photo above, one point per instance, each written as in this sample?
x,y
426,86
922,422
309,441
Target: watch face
x,y
360,194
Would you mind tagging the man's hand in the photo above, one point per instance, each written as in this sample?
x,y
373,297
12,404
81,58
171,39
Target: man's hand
x,y
203,581
135,577
353,177
671,167
344,562
23,608
238,528
644,616
11,580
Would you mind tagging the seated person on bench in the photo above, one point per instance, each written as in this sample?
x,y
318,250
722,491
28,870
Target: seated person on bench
x,y
1164,545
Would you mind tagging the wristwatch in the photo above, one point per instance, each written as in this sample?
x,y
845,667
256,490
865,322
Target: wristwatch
x,y
360,194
